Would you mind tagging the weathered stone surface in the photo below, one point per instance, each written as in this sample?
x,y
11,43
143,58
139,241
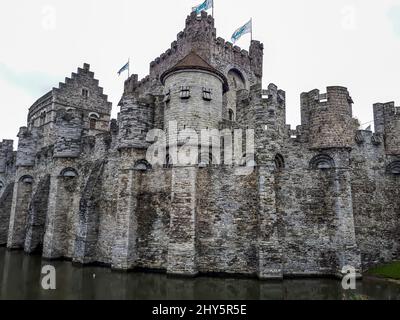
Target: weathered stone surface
x,y
320,197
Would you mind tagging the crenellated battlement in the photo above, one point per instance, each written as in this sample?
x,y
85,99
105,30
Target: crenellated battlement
x,y
199,35
387,123
6,152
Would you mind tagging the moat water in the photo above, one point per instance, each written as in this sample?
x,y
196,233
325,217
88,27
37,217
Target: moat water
x,y
20,278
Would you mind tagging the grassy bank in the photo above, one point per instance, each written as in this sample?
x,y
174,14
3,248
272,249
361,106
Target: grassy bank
x,y
391,270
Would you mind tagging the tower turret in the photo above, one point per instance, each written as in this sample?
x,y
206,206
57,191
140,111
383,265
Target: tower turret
x,y
387,123
27,147
193,94
327,118
6,154
135,121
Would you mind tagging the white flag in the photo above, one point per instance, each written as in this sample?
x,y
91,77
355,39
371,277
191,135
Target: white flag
x,y
207,4
247,28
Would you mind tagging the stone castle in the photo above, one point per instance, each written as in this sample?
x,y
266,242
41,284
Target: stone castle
x,y
320,197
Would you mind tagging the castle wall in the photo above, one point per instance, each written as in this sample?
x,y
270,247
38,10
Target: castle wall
x,y
226,224
315,213
154,201
37,215
20,204
107,204
62,211
376,203
6,197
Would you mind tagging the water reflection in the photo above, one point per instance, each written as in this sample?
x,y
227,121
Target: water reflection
x,y
20,279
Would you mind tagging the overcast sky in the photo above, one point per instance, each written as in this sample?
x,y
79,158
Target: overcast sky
x,y
308,44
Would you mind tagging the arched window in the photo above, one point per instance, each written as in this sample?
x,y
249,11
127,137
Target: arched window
x,y
93,117
142,165
231,115
236,82
26,180
69,173
279,162
394,168
322,162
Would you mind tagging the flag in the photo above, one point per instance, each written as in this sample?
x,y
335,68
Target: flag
x,y
207,4
125,67
247,28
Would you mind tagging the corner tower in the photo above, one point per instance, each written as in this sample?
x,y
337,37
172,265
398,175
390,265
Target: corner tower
x,y
327,118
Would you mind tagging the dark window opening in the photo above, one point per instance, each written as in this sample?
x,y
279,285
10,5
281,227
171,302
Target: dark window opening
x,y
231,115
42,118
322,162
279,162
185,93
207,94
93,123
69,173
85,93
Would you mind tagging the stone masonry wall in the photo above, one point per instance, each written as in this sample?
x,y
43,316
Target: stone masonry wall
x,y
376,203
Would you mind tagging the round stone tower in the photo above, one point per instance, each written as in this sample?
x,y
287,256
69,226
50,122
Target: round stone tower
x,y
328,118
193,94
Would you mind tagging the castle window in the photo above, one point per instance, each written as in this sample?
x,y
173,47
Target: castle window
x,y
185,93
69,173
279,163
322,162
394,168
85,93
1,186
93,121
42,118
207,94
142,165
231,115
26,180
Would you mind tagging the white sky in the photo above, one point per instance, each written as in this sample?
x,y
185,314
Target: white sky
x,y
308,44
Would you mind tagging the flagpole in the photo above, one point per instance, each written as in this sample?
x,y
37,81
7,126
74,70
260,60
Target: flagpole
x,y
213,8
129,65
251,30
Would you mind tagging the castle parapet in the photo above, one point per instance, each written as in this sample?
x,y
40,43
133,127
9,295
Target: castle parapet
x,y
27,146
387,123
6,153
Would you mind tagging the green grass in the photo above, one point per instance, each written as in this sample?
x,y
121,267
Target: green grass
x,y
391,271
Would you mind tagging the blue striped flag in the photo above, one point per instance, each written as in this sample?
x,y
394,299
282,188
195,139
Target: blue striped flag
x,y
247,28
125,67
207,4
